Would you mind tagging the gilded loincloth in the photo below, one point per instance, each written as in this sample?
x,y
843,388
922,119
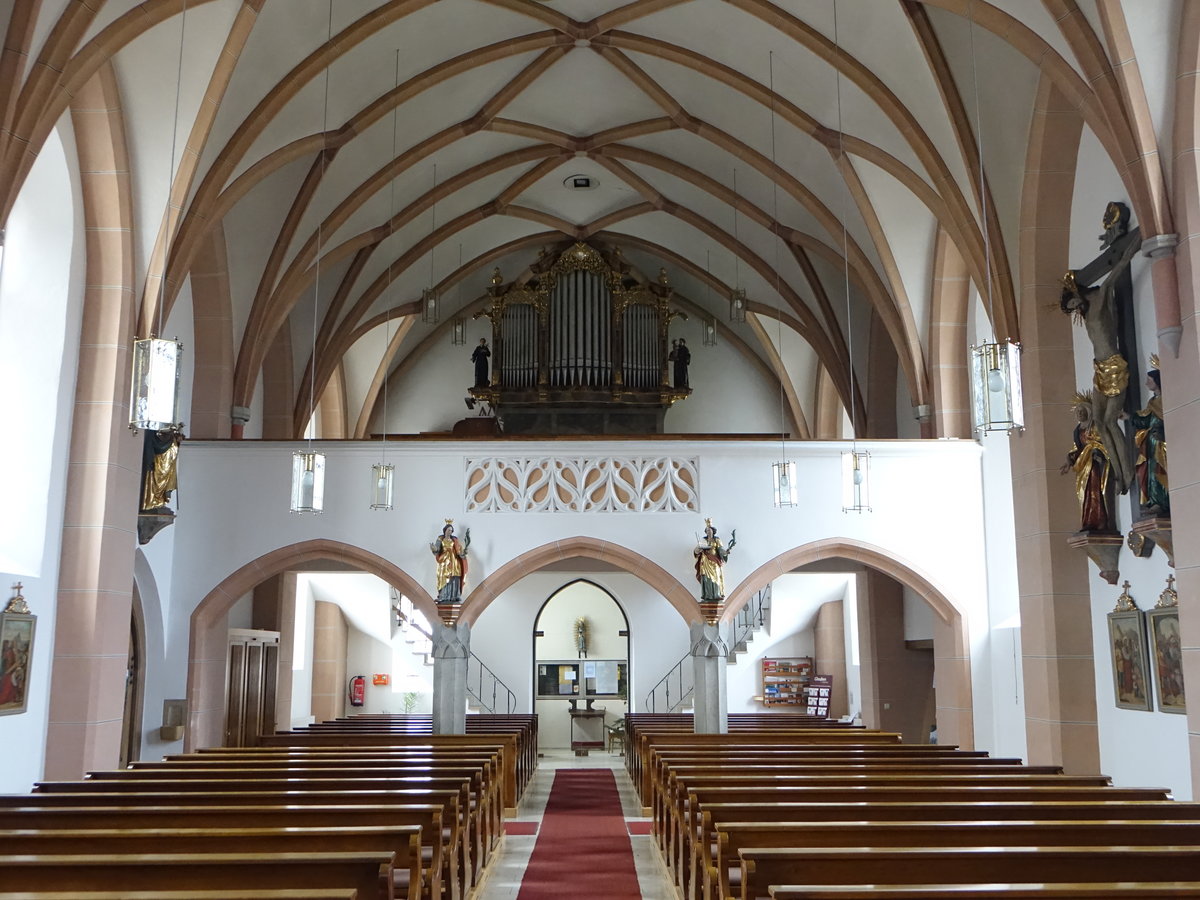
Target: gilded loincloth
x,y
1112,375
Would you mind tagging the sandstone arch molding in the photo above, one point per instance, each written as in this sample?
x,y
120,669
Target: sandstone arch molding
x,y
531,561
951,647
207,638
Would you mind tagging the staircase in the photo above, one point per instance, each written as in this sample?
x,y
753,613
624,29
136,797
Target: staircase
x,y
488,692
675,688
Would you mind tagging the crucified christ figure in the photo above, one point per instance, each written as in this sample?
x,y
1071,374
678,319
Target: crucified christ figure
x,y
1096,307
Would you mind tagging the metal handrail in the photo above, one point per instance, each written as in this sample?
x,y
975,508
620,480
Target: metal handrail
x,y
509,698
497,685
752,617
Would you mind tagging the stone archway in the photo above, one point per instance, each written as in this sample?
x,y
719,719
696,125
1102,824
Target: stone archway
x,y
206,641
951,647
574,548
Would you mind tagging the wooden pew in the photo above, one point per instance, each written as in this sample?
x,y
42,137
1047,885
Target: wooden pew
x,y
671,800
427,817
368,873
506,744
643,743
450,801
764,866
1076,891
340,758
818,815
329,894
401,842
484,799
465,839
685,828
731,837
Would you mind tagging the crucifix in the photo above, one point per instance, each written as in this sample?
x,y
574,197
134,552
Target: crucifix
x,y
1099,296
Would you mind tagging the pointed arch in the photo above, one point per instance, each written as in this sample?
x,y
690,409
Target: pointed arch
x,y
951,644
206,638
581,548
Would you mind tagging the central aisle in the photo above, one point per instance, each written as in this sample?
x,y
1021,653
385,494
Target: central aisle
x,y
583,848
571,837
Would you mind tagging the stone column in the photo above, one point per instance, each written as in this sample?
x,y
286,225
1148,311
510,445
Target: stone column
x,y
451,650
710,659
329,662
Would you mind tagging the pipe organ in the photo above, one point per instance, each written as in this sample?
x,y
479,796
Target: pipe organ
x,y
580,347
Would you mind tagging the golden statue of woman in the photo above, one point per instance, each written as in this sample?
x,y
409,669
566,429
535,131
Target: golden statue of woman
x,y
451,556
711,556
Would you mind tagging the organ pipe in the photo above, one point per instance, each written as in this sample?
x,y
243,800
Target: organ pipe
x,y
580,327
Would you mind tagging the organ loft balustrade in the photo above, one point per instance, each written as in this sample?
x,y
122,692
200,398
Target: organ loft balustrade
x,y
581,347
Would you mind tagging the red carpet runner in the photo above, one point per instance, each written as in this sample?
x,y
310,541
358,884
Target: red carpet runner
x,y
583,850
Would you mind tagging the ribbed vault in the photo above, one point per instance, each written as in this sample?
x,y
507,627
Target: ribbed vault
x,y
841,168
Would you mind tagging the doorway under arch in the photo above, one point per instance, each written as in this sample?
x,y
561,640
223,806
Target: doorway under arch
x,y
207,636
951,646
581,665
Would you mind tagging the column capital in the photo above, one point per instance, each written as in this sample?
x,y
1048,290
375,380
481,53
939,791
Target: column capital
x,y
451,641
1161,246
707,641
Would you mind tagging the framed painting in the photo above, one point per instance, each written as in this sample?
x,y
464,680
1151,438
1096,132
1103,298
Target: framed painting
x,y
16,651
1131,672
1168,661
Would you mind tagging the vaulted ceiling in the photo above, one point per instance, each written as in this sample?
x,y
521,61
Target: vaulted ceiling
x,y
842,161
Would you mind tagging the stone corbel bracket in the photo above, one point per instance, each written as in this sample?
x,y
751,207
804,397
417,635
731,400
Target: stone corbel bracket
x,y
1102,549
1157,529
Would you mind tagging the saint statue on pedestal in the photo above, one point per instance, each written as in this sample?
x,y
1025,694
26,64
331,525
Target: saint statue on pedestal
x,y
711,556
451,556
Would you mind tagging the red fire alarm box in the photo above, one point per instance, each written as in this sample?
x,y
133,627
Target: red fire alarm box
x,y
358,690
381,679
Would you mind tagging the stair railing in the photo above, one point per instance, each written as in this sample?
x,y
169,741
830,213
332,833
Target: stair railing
x,y
674,688
482,683
753,617
487,689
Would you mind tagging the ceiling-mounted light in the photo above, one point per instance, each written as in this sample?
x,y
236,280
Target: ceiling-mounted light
x,y
784,474
381,485
431,303
308,481
154,387
154,392
856,481
996,387
458,332
308,466
737,305
382,471
996,403
708,331
856,486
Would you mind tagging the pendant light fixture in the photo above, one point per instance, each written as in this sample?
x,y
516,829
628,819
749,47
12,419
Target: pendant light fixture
x,y
783,473
856,464
308,465
157,362
458,328
383,472
431,302
995,366
737,297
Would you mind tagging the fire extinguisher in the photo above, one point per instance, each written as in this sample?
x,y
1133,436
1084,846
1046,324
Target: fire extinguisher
x,y
358,690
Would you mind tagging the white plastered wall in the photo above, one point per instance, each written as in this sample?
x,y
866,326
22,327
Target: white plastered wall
x,y
233,521
43,276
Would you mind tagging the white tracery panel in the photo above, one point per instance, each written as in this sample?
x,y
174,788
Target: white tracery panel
x,y
582,484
